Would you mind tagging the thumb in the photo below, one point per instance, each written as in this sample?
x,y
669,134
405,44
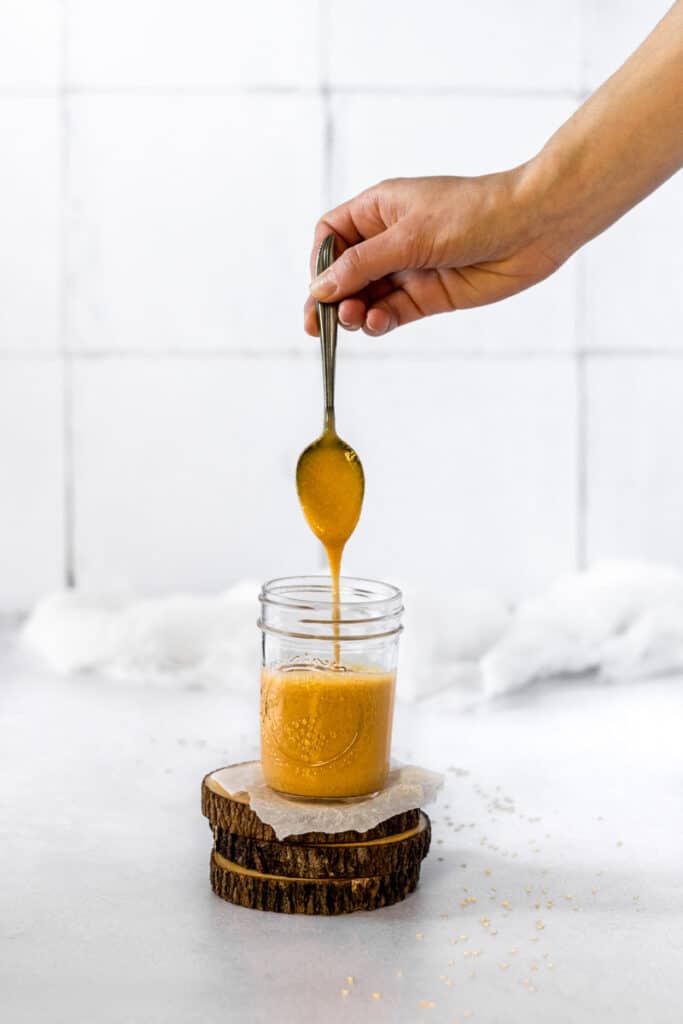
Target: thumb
x,y
359,265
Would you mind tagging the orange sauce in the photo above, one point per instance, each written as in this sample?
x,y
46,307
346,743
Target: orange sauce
x,y
326,733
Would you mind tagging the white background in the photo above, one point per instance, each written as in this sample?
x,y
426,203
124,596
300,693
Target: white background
x,y
163,165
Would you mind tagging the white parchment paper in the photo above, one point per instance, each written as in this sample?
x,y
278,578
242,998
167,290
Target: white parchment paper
x,y
408,786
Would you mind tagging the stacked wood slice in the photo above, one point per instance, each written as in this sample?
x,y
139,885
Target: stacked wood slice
x,y
312,873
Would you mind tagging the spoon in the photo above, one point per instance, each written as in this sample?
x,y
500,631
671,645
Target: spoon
x,y
329,475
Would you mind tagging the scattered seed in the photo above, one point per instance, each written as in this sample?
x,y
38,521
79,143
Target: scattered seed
x,y
504,966
419,935
506,905
344,992
427,1004
376,995
350,979
484,922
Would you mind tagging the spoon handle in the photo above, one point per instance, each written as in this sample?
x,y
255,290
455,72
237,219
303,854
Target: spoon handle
x,y
327,319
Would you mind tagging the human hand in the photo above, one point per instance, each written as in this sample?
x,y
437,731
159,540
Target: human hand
x,y
413,247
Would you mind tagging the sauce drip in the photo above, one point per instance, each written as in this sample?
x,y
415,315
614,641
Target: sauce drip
x,y
330,484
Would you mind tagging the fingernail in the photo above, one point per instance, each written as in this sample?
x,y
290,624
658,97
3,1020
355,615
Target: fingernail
x,y
322,287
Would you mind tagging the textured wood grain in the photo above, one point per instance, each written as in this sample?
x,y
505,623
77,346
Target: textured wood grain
x,y
383,856
309,896
236,817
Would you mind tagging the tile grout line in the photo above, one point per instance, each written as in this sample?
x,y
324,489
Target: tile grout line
x,y
327,150
454,353
581,456
204,92
581,465
66,357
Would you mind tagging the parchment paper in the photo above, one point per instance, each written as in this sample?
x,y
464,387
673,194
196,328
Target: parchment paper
x,y
408,786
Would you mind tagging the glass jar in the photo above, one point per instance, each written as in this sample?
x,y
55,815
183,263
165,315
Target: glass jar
x,y
328,678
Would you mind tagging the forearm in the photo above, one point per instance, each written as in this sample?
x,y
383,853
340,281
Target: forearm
x,y
617,148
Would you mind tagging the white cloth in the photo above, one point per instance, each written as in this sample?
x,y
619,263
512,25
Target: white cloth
x,y
623,620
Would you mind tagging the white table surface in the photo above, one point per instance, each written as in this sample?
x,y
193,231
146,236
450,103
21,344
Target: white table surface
x,y
570,793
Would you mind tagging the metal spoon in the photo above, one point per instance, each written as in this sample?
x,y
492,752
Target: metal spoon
x,y
329,475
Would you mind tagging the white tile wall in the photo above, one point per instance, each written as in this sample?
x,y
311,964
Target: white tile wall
x,y
470,469
185,470
390,136
635,458
191,220
30,223
634,277
170,44
32,475
163,166
30,44
455,43
612,30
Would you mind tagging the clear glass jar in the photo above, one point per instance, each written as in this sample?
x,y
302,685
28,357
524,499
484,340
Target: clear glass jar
x,y
328,678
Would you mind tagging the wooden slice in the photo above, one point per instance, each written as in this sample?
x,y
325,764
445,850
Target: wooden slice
x,y
231,813
365,859
260,891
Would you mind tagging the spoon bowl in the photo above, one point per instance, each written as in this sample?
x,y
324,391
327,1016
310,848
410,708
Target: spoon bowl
x,y
330,483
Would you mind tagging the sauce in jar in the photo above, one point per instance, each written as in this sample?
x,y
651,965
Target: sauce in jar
x,y
326,733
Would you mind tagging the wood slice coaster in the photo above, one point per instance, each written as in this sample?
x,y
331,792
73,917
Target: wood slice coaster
x,y
331,858
231,812
313,873
259,891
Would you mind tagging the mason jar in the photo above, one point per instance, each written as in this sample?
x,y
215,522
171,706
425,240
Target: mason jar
x,y
328,679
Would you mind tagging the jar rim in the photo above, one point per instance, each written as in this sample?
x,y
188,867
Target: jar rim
x,y
366,592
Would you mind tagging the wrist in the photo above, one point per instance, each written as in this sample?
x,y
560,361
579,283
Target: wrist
x,y
551,194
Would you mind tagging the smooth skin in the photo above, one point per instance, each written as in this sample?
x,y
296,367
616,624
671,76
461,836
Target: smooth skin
x,y
413,247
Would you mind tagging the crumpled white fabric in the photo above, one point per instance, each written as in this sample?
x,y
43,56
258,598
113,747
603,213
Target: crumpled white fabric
x,y
620,620
211,640
408,786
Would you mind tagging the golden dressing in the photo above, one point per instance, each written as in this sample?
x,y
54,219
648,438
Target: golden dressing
x,y
330,484
326,733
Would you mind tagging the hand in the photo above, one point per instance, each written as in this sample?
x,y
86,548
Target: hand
x,y
412,247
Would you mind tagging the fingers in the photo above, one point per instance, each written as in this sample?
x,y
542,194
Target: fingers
x,y
352,222
361,264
